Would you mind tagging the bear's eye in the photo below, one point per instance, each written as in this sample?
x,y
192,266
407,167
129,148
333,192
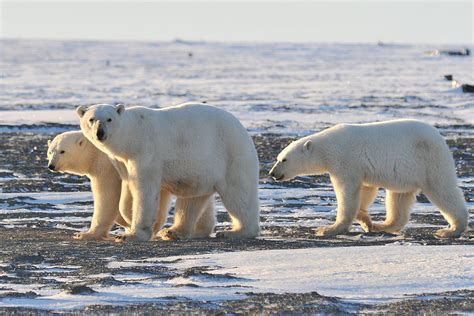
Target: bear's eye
x,y
91,120
109,120
283,160
62,152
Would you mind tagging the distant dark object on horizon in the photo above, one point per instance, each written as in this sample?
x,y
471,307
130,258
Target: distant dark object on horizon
x,y
466,88
448,77
461,52
190,54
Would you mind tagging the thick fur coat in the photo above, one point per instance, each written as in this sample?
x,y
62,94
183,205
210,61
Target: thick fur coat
x,y
192,151
402,156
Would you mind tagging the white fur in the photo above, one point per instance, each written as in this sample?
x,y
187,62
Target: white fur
x,y
402,156
192,151
71,152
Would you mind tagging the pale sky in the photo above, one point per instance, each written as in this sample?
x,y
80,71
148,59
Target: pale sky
x,y
284,21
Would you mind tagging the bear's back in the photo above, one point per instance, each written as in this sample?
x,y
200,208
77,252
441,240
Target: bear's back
x,y
398,131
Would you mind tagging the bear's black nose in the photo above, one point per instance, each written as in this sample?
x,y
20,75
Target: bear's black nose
x,y
51,167
100,134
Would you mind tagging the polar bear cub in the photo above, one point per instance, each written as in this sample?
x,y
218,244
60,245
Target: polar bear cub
x,y
402,156
71,152
191,150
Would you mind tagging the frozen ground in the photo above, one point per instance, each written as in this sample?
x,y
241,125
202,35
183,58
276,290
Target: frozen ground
x,y
398,271
279,91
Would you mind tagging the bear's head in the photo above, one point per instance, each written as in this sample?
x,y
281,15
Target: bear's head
x,y
295,160
100,122
66,152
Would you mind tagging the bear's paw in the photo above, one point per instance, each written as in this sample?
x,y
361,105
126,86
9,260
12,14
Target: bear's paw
x,y
329,231
447,233
90,236
172,234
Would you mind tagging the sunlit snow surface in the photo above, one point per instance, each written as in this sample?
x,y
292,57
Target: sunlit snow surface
x,y
349,273
283,89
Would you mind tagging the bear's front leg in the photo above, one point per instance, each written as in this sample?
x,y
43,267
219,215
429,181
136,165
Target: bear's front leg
x,y
348,200
162,212
144,184
106,199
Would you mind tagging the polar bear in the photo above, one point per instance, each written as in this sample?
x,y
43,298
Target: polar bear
x,y
71,152
402,156
191,150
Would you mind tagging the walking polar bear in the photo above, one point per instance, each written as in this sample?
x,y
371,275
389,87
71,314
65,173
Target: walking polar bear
x,y
402,156
192,151
71,152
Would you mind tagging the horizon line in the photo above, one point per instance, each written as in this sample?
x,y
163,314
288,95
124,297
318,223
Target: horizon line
x,y
203,41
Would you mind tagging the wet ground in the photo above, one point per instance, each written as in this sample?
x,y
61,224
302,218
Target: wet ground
x,y
38,254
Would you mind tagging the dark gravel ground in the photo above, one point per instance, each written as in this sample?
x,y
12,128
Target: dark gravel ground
x,y
27,247
23,166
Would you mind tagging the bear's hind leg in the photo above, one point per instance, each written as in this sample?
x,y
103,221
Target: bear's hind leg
x,y
119,220
453,208
207,220
243,207
348,195
126,204
162,212
398,212
239,193
367,197
187,213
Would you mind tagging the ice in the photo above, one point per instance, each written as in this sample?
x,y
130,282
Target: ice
x,y
280,88
356,274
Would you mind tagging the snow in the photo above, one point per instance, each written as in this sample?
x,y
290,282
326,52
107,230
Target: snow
x,y
356,274
13,118
280,88
61,198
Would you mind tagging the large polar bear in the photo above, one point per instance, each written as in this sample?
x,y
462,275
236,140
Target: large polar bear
x,y
191,150
403,156
71,152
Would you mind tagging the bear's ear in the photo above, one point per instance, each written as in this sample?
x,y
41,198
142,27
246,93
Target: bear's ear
x,y
80,110
49,142
308,145
120,108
